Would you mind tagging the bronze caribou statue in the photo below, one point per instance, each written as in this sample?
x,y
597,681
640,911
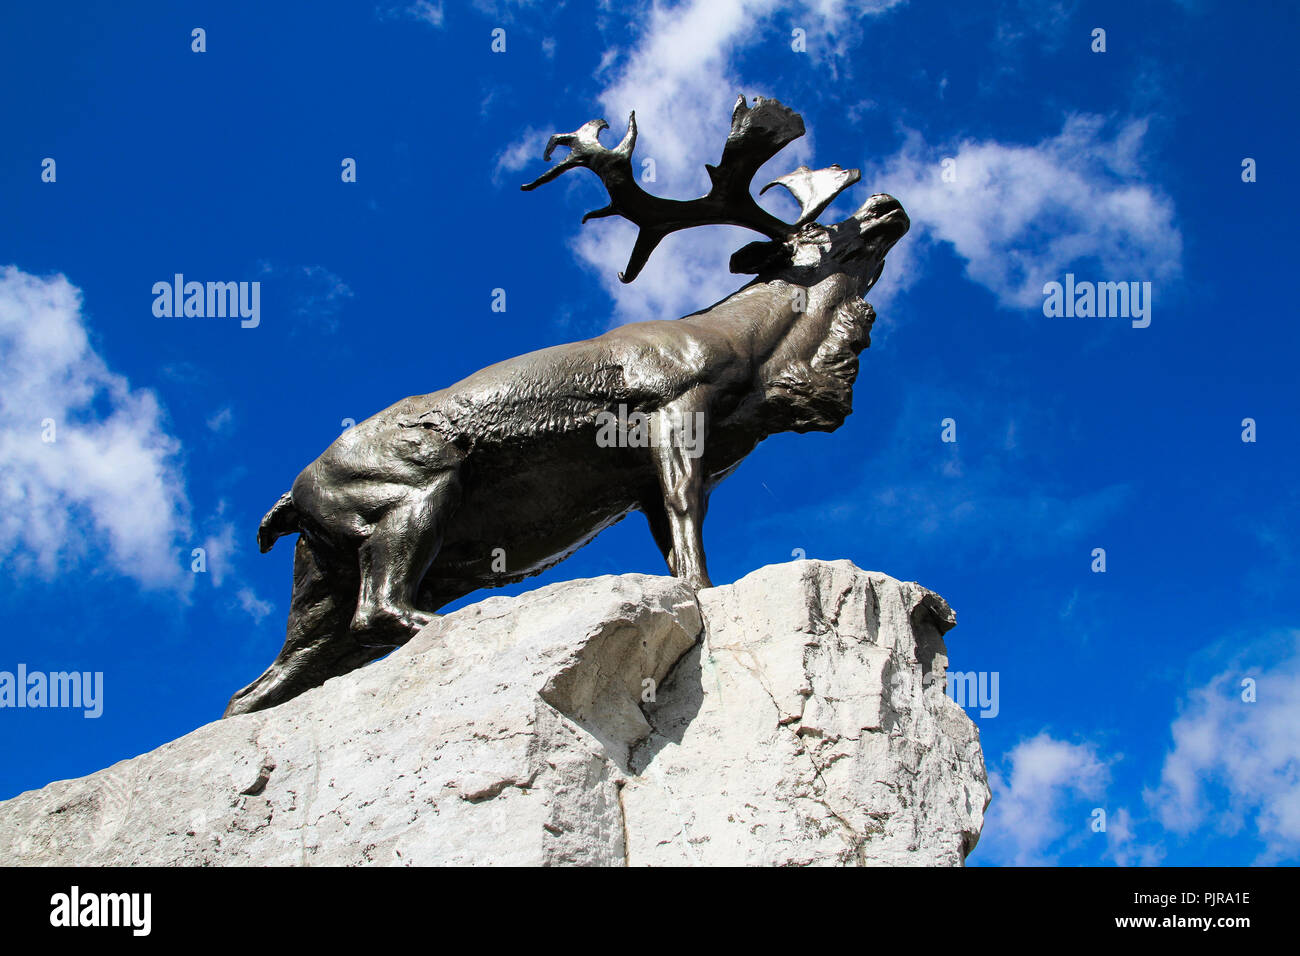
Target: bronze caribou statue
x,y
505,474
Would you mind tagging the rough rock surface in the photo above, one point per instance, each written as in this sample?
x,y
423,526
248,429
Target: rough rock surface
x,y
786,719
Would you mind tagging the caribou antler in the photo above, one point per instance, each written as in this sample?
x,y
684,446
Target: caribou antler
x,y
814,188
757,134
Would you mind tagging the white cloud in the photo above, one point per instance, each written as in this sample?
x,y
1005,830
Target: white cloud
x,y
1234,764
1041,803
1024,215
109,487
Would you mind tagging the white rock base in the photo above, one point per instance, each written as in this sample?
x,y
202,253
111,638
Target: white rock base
x,y
795,717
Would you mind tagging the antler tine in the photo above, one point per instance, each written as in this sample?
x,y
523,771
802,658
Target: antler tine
x,y
585,149
757,134
815,189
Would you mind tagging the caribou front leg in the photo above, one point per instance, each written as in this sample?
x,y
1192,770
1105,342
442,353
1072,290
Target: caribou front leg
x,y
677,436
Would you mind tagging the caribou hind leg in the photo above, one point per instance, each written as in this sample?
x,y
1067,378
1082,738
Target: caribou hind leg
x,y
394,559
350,609
317,643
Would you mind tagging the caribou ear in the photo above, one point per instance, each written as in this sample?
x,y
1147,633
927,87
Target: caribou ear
x,y
759,257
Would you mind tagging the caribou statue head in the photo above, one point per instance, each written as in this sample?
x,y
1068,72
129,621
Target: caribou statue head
x,y
509,471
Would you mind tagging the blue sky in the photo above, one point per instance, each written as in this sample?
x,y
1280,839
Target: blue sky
x,y
1119,690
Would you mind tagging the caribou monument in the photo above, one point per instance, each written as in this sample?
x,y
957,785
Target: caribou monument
x,y
507,472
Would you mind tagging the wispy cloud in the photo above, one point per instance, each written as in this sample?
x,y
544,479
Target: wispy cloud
x,y
425,11
524,152
315,294
221,420
323,294
1041,22
430,13
1123,845
254,606
222,548
1042,800
976,495
218,549
1233,764
1022,215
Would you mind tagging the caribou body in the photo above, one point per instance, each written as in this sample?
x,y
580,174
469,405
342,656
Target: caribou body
x,y
504,474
